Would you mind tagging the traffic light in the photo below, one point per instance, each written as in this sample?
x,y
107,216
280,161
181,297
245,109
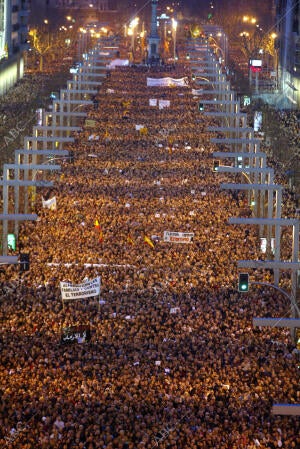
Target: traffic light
x,y
216,165
24,262
201,106
71,156
243,282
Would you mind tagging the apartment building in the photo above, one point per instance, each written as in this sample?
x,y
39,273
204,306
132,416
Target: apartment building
x,y
13,41
288,50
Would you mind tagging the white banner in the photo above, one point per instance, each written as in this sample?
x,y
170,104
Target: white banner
x,y
117,63
49,204
167,82
197,91
163,104
178,237
175,310
72,292
153,102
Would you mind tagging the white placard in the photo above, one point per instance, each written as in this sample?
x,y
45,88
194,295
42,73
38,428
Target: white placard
x,y
178,237
49,204
153,102
72,292
164,104
174,310
168,82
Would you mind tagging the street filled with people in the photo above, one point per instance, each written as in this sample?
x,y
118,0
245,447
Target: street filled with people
x,y
172,359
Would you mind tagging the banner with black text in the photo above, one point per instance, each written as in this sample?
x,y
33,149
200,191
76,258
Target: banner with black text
x,y
72,292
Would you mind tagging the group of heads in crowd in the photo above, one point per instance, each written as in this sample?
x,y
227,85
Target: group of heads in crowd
x,y
173,360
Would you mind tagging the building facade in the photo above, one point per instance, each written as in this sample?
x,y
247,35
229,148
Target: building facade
x,y
100,5
13,41
288,51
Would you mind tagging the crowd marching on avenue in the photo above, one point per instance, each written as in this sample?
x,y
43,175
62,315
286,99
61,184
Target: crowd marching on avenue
x,y
165,355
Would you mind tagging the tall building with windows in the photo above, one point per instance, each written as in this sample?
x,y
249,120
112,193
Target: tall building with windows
x,y
288,51
13,41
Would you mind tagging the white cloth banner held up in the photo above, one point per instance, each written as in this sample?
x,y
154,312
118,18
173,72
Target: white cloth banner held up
x,y
49,204
164,104
72,292
167,82
178,237
153,102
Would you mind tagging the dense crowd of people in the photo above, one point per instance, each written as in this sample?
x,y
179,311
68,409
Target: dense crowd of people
x,y
291,126
19,105
173,360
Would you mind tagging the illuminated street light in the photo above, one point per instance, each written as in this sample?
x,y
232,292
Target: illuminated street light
x,y
131,31
174,28
275,58
46,22
134,23
248,19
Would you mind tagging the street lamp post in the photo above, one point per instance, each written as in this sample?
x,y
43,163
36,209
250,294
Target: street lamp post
x,y
46,22
174,28
82,44
132,26
275,59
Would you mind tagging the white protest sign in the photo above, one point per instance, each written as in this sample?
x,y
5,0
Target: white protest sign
x,y
72,292
178,237
175,310
153,102
164,104
167,82
49,204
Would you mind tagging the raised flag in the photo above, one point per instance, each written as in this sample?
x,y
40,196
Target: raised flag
x,y
98,227
148,241
130,240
